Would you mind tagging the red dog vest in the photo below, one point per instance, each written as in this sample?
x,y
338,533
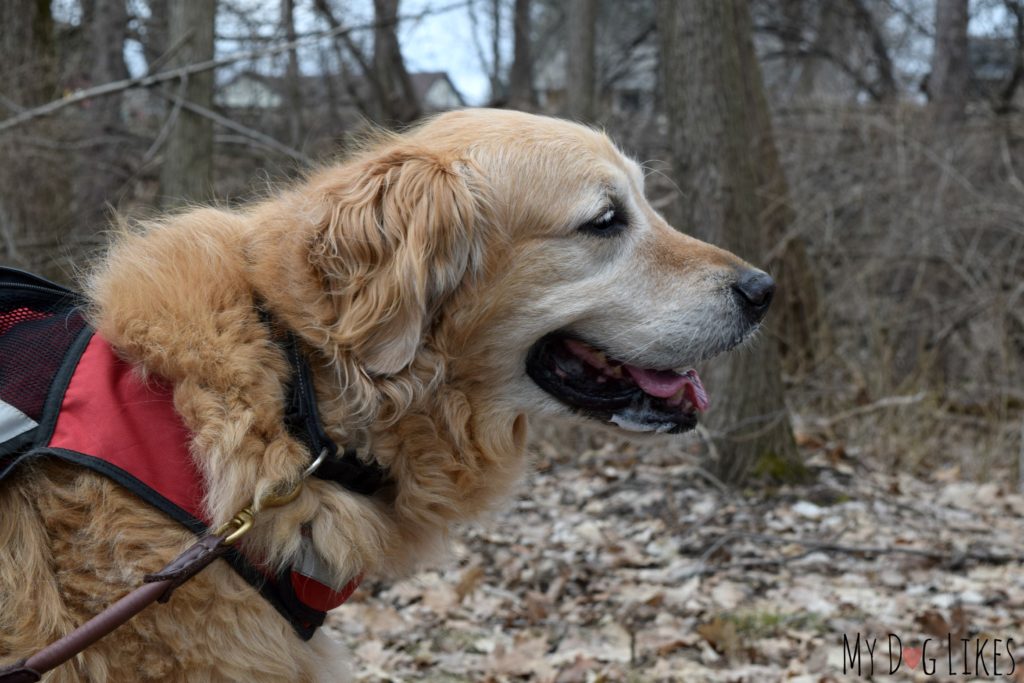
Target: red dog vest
x,y
64,393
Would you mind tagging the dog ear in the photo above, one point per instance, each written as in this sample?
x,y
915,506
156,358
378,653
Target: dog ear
x,y
396,239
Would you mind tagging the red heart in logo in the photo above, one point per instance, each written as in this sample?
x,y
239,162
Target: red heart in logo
x,y
912,656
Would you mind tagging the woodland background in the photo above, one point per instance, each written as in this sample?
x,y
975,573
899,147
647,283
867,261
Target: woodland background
x,y
866,452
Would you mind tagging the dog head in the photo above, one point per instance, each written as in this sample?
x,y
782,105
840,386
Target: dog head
x,y
522,250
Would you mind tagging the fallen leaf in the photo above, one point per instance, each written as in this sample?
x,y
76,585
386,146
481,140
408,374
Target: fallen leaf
x,y
469,581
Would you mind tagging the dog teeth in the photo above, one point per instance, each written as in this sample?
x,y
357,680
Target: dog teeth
x,y
600,361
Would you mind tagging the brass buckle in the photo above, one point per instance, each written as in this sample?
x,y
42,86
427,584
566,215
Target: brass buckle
x,y
277,500
242,522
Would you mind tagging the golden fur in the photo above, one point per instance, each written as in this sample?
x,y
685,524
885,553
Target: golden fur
x,y
417,274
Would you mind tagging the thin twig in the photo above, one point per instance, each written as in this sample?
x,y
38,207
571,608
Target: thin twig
x,y
940,555
880,404
165,129
709,569
1011,173
231,124
161,138
811,546
1020,459
11,104
169,53
707,476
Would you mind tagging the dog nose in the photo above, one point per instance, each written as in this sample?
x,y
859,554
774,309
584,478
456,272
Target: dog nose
x,y
754,290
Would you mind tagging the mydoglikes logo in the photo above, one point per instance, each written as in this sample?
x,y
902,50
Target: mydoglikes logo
x,y
867,656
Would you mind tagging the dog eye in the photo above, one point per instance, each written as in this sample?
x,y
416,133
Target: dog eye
x,y
608,223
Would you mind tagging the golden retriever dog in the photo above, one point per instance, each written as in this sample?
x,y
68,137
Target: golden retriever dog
x,y
443,284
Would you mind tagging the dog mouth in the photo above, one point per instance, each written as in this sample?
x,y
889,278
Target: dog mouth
x,y
636,399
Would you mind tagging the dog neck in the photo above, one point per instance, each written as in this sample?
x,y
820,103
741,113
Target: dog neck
x,y
449,457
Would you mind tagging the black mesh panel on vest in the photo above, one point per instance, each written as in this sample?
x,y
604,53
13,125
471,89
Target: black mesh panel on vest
x,y
37,327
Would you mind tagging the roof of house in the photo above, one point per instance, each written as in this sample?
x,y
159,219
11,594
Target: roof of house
x,y
312,86
423,81
992,58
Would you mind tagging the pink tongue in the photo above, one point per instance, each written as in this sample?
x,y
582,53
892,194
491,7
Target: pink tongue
x,y
666,383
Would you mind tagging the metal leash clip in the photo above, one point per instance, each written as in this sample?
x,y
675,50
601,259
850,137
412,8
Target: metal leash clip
x,y
239,525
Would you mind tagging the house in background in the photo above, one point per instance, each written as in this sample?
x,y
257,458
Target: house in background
x,y
253,92
993,61
435,91
627,81
250,90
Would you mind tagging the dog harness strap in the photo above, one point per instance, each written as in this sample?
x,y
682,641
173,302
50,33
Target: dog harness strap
x,y
19,672
66,394
302,418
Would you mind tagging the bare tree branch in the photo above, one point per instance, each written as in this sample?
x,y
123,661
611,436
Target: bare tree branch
x,y
168,124
855,75
354,49
910,18
238,128
627,56
11,104
1015,8
883,62
150,80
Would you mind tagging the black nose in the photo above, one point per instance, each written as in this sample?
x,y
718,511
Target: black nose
x,y
754,290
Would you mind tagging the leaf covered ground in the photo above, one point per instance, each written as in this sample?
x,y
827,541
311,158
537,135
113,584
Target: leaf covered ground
x,y
627,563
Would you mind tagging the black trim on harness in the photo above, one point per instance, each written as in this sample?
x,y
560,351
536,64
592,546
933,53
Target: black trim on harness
x,y
21,278
302,418
123,478
302,616
28,446
54,400
41,433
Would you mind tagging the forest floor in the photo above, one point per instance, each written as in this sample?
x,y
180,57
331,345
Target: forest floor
x,y
632,564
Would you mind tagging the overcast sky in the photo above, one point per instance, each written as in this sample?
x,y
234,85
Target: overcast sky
x,y
443,39
444,42
440,41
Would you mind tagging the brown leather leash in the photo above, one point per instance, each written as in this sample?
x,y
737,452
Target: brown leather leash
x,y
156,588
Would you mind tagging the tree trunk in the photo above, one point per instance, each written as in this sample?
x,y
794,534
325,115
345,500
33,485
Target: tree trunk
x,y
369,101
798,319
582,22
950,75
35,213
497,86
103,172
294,103
398,103
27,42
728,166
520,80
809,31
187,173
884,88
156,26
1004,103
